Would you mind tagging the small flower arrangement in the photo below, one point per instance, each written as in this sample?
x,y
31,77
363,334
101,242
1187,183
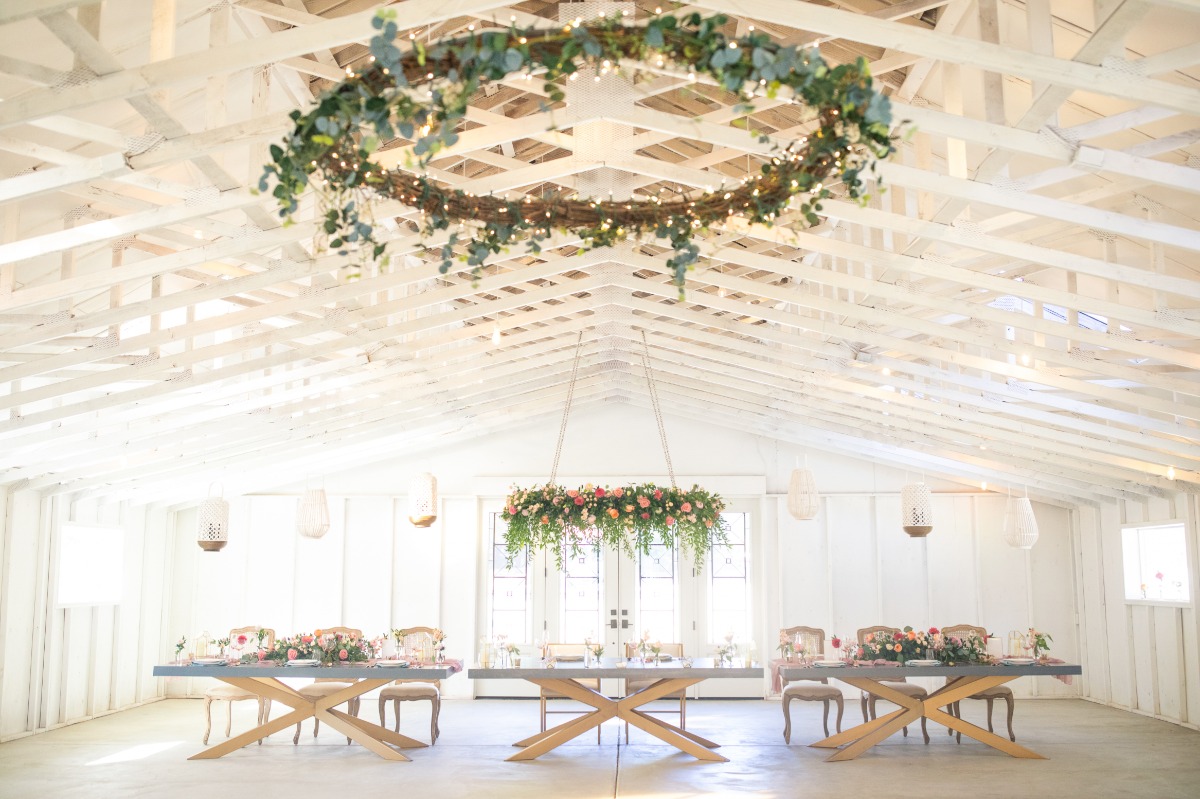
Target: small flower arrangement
x,y
179,645
726,649
787,646
1038,641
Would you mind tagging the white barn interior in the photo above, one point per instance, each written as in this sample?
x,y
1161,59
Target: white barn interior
x,y
1016,315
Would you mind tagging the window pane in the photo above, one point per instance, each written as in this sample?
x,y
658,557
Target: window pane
x,y
1156,561
729,583
509,596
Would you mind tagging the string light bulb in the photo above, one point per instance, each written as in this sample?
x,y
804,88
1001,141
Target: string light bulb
x,y
496,335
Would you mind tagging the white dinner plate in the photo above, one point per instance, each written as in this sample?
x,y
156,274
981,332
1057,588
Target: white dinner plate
x,y
828,664
208,661
922,663
403,664
569,658
1018,661
303,662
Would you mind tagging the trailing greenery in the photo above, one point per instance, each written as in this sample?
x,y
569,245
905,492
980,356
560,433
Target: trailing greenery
x,y
628,518
332,147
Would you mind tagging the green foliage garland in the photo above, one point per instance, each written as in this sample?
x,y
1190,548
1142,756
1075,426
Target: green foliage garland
x,y
628,518
331,147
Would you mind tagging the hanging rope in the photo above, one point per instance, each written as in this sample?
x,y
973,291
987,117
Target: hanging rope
x,y
662,430
562,429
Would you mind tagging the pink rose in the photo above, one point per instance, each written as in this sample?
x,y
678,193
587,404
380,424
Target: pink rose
x,y
293,654
686,507
306,639
262,653
670,520
599,492
572,492
578,500
657,493
241,640
343,655
512,510
933,630
699,504
643,502
645,515
618,492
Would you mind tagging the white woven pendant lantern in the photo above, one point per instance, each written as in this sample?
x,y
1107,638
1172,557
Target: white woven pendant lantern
x,y
803,501
916,510
212,523
312,515
1020,525
422,500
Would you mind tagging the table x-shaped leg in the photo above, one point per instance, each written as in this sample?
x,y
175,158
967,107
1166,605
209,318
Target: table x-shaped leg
x,y
605,709
364,732
865,736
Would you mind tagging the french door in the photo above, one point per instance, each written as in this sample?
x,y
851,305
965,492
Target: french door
x,y
614,599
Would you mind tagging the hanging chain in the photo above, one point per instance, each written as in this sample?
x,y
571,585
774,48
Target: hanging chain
x,y
662,431
562,429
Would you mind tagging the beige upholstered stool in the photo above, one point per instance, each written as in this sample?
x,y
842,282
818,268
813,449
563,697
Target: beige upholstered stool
x,y
324,686
809,690
900,684
414,690
989,695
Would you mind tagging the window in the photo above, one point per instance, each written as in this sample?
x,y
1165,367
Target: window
x,y
581,596
509,588
91,565
1156,563
729,583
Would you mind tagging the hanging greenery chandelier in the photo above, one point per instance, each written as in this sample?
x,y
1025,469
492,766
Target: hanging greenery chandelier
x,y
629,518
422,95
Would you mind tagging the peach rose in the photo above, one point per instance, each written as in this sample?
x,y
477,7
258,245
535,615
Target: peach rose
x,y
670,520
618,492
686,507
613,512
293,654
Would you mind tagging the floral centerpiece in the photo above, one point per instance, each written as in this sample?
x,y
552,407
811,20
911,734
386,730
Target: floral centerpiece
x,y
726,649
787,647
328,648
901,646
628,518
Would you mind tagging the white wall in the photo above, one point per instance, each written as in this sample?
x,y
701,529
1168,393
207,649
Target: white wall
x,y
849,568
1139,657
62,665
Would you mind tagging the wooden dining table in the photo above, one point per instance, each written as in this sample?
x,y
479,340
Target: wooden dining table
x,y
961,683
264,680
668,677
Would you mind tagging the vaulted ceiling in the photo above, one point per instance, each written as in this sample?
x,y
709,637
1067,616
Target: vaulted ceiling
x,y
1021,306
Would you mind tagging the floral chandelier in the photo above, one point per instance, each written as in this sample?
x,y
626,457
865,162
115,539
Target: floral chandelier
x,y
331,147
628,518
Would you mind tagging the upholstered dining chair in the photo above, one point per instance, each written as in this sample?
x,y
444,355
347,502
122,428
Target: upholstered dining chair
x,y
414,690
809,690
634,685
989,695
899,684
572,652
324,686
224,692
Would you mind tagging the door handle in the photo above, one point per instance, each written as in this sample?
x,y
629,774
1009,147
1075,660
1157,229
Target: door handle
x,y
612,623
624,624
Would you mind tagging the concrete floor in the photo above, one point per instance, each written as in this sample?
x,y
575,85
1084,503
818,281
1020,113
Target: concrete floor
x,y
1094,751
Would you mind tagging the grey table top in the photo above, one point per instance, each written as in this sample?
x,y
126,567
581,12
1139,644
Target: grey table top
x,y
701,668
359,671
798,672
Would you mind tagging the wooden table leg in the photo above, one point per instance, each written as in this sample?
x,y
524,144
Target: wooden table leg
x,y
557,736
854,733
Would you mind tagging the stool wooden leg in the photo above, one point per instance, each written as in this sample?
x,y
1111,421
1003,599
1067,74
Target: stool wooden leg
x,y
825,716
839,718
207,719
787,720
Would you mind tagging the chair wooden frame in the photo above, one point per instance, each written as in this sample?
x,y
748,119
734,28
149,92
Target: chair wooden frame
x,y
824,697
230,694
399,692
990,694
548,692
868,700
632,686
329,685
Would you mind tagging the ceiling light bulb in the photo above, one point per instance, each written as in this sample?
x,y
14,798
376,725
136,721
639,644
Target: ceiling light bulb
x,y
983,486
496,335
1025,359
1170,472
886,371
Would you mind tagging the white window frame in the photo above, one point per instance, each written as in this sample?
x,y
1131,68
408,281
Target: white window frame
x,y
1189,561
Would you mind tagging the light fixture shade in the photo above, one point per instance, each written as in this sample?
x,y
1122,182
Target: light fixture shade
x,y
212,524
1020,525
803,501
422,500
312,516
916,510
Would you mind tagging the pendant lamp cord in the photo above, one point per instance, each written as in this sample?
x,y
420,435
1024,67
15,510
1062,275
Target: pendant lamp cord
x,y
662,431
562,428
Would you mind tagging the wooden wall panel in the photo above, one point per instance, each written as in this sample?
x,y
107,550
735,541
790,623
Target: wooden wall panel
x,y
369,551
